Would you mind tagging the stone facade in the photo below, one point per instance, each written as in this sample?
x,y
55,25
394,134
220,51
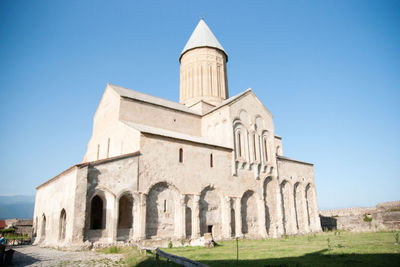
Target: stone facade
x,y
156,170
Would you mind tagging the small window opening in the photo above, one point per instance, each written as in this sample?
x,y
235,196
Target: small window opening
x,y
209,229
254,147
108,148
180,155
266,149
211,160
239,144
165,205
98,151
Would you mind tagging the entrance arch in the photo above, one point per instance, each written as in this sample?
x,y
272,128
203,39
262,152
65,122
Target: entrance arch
x,y
62,225
249,213
161,210
210,212
97,213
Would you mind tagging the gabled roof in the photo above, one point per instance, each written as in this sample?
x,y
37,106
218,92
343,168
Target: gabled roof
x,y
229,100
235,98
171,134
202,36
132,94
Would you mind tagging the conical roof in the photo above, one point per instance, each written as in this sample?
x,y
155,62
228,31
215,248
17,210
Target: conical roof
x,y
202,36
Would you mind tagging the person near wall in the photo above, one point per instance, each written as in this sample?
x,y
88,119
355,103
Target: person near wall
x,y
2,240
2,248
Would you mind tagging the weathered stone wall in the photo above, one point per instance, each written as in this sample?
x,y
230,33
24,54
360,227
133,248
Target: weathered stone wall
x,y
384,216
298,196
110,181
159,117
51,199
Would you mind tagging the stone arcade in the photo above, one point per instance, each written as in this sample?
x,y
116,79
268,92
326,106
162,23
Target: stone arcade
x,y
159,170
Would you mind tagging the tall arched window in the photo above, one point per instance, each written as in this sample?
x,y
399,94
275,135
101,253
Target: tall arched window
x,y
180,155
254,147
211,160
43,228
97,221
239,144
62,225
266,149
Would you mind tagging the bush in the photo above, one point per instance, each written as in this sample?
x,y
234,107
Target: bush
x,y
367,219
113,249
7,231
170,244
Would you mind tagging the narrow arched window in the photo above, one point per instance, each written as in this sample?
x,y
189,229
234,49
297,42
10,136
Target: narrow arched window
x,y
98,151
239,144
266,149
254,147
211,160
180,155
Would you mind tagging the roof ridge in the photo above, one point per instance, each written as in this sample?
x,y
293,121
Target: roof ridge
x,y
133,94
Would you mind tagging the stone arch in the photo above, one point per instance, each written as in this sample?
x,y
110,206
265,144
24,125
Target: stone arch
x,y
43,228
161,210
259,123
62,225
268,197
265,147
125,210
188,221
98,211
233,217
249,213
240,140
125,215
297,204
210,211
310,198
286,206
36,227
244,116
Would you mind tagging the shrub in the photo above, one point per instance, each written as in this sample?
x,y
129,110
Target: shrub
x,y
113,249
367,219
7,231
397,237
170,245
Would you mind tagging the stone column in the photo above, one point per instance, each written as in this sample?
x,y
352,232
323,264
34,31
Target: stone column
x,y
182,217
315,221
261,217
142,217
226,218
196,217
75,231
114,214
280,228
238,217
304,227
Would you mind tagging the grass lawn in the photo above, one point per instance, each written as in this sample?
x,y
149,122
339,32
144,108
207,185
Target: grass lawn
x,y
342,249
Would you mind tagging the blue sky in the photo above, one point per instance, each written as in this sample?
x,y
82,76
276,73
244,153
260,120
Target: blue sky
x,y
329,71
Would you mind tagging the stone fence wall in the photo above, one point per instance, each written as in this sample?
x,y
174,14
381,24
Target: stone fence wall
x,y
384,216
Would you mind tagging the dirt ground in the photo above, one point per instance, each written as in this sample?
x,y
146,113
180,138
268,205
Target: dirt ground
x,y
28,255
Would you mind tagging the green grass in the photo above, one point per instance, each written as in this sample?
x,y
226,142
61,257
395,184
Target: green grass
x,y
343,249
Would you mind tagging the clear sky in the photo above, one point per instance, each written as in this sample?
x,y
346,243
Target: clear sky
x,y
329,71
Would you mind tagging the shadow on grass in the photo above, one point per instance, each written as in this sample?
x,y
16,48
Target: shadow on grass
x,y
319,258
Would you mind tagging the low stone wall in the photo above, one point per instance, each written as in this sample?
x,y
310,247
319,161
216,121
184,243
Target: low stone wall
x,y
384,216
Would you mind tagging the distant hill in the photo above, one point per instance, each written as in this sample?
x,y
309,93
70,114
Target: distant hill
x,y
16,207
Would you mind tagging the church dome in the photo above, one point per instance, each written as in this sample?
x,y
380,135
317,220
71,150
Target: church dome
x,y
202,36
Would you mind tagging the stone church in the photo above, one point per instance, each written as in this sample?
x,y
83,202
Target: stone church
x,y
157,170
